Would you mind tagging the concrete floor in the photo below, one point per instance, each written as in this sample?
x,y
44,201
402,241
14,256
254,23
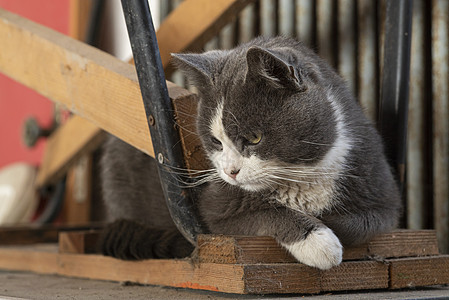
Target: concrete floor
x,y
18,285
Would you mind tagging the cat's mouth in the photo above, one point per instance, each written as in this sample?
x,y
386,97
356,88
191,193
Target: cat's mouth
x,y
249,184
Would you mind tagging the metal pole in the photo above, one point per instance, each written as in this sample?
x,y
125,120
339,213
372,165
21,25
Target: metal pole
x,y
393,105
160,116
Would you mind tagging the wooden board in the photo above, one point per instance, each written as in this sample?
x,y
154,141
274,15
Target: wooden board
x,y
191,33
24,235
418,272
79,242
91,83
241,249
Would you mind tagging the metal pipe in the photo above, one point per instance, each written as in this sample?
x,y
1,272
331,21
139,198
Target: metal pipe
x,y
393,105
159,113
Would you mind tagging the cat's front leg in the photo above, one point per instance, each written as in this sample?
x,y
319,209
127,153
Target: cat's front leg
x,y
321,249
306,238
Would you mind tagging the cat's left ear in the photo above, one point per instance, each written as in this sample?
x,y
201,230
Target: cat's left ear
x,y
200,69
266,64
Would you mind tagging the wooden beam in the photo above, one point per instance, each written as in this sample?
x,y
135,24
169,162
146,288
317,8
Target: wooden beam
x,y
211,16
418,272
24,235
244,249
91,83
79,242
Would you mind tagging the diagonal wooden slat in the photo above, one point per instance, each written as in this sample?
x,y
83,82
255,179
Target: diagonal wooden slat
x,y
177,33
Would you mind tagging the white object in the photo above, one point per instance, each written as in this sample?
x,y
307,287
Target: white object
x,y
18,199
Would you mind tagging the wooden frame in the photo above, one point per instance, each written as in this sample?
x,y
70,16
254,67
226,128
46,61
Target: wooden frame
x,y
244,265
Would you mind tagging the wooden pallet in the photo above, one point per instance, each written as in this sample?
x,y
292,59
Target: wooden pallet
x,y
245,265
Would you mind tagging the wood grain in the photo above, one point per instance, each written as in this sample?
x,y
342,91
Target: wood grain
x,y
79,242
93,84
418,272
260,278
25,235
89,82
240,249
355,275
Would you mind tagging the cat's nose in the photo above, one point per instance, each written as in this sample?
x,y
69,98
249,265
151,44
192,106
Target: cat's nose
x,y
231,172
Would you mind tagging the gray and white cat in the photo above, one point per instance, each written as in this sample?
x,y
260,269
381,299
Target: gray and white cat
x,y
293,157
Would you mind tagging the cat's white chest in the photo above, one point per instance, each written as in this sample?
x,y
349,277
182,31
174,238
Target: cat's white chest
x,y
310,198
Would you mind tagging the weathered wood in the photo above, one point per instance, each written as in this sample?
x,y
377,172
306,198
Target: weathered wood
x,y
280,279
25,235
80,77
232,278
79,242
185,117
240,249
91,83
418,272
193,23
355,275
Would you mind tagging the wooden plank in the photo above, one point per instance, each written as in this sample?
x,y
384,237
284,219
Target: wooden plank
x,y
232,278
193,23
281,278
240,249
418,272
355,275
24,235
185,117
190,35
91,83
79,242
174,273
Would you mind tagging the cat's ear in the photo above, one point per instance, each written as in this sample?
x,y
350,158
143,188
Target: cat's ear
x,y
266,64
200,69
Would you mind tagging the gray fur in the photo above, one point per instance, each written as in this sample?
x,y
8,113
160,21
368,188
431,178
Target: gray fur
x,y
280,88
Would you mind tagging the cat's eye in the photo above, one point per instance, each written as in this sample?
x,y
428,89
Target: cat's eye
x,y
254,138
215,141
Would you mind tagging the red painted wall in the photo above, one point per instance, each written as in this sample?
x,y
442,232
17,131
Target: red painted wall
x,y
17,102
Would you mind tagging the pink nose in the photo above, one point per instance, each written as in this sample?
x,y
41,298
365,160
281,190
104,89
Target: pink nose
x,y
231,173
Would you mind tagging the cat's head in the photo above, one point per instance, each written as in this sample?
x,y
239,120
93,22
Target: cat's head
x,y
264,114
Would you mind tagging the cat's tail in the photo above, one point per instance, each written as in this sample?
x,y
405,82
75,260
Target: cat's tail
x,y
130,240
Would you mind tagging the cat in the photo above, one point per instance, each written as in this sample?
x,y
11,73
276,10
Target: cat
x,y
293,157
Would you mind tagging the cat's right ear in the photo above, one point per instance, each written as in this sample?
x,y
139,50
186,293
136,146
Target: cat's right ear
x,y
200,69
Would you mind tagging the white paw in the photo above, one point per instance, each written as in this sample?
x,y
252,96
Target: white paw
x,y
321,249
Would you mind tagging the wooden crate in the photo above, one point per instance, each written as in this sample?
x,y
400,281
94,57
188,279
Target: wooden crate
x,y
244,265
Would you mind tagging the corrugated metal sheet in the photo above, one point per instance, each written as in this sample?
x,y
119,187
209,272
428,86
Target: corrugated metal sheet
x,y
349,34
440,89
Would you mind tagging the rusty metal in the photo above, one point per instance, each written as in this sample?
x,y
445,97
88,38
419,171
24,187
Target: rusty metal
x,y
440,92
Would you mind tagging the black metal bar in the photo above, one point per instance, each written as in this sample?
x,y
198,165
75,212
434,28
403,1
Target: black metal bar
x,y
393,106
160,116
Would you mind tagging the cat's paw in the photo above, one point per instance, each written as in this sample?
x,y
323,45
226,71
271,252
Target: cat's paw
x,y
321,249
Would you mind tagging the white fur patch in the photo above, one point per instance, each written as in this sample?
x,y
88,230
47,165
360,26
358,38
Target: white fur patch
x,y
321,249
251,169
